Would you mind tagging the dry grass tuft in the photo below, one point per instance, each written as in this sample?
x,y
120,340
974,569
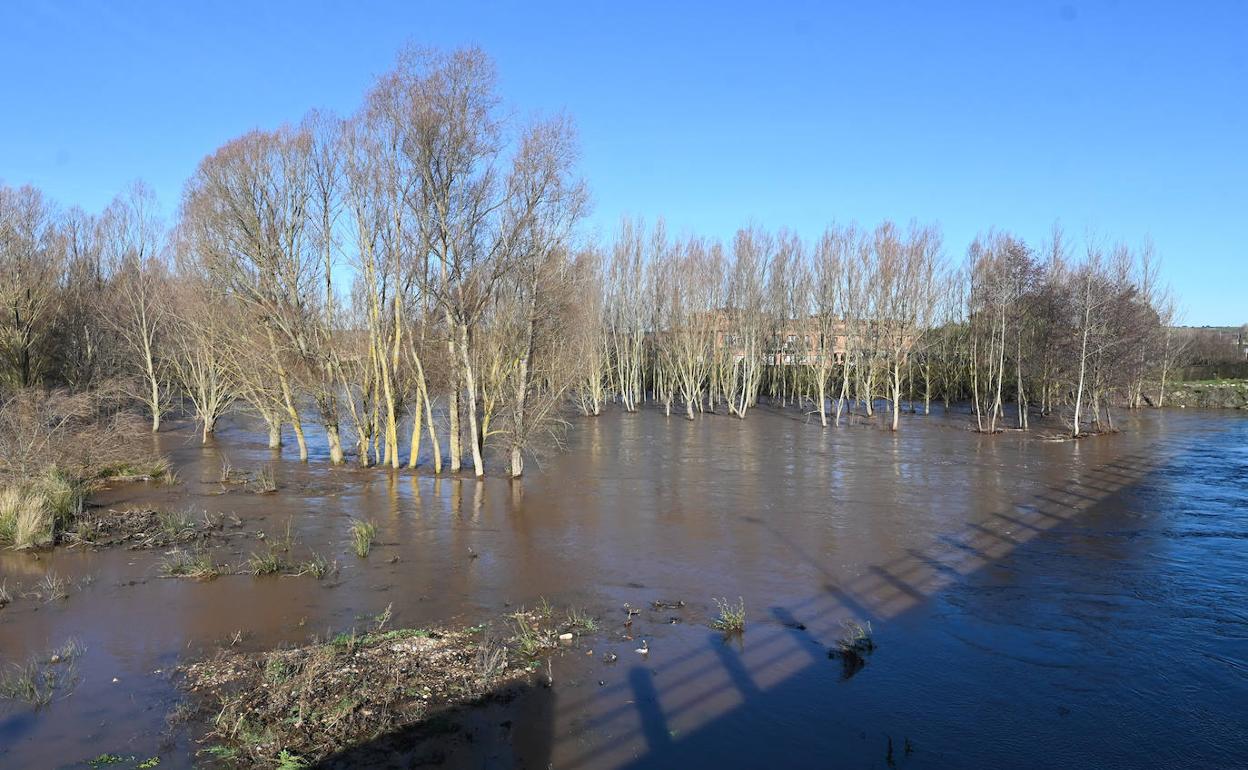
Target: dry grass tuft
x,y
54,448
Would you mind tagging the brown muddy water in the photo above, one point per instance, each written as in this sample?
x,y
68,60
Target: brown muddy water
x,y
1035,604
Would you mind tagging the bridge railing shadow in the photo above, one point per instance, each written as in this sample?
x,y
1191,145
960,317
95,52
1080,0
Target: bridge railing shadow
x,y
667,704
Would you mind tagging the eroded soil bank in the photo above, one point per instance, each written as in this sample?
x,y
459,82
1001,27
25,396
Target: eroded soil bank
x,y
1031,603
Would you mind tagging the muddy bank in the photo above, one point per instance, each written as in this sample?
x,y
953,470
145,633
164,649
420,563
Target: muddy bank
x,y
1212,395
302,705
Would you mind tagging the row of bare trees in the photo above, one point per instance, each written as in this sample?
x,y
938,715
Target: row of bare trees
x,y
408,269
864,318
405,284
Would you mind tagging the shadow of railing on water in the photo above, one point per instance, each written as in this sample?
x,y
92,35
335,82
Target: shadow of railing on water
x,y
687,709
693,708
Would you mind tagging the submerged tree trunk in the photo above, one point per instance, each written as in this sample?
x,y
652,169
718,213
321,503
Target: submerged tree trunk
x,y
1083,367
478,465
336,456
154,390
896,394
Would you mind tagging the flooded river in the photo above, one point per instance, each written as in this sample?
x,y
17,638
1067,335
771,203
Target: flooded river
x,y
1034,604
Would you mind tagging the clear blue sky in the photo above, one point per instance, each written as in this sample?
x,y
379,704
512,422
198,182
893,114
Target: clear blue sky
x,y
1129,119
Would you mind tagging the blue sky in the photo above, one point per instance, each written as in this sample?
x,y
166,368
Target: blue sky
x,y
1125,119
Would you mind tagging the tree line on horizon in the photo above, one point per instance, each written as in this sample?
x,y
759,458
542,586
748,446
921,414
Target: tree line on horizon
x,y
414,273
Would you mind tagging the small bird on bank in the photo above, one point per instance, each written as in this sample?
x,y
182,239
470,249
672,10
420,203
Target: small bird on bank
x,y
644,649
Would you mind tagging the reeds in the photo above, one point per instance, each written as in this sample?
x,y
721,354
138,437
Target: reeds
x,y
362,535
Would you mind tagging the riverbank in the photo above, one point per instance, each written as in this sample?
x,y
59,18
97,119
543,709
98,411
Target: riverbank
x,y
1209,394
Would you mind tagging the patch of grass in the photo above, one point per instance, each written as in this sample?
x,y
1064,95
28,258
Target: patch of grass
x,y
581,621
175,523
348,641
288,761
362,535
12,501
26,682
36,510
278,670
108,760
197,565
288,540
148,469
38,680
223,753
267,563
491,658
68,651
52,588
853,648
731,618
64,497
545,610
399,633
354,638
33,510
532,636
26,515
316,566
34,526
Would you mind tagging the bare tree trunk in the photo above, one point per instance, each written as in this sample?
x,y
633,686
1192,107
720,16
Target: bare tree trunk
x,y
478,466
1021,396
896,393
519,428
336,456
1083,365
823,409
292,413
155,394
453,409
275,432
413,454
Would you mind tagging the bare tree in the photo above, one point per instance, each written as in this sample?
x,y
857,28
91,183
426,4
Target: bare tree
x,y
29,271
200,360
141,288
245,221
627,312
544,203
455,145
591,335
747,316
